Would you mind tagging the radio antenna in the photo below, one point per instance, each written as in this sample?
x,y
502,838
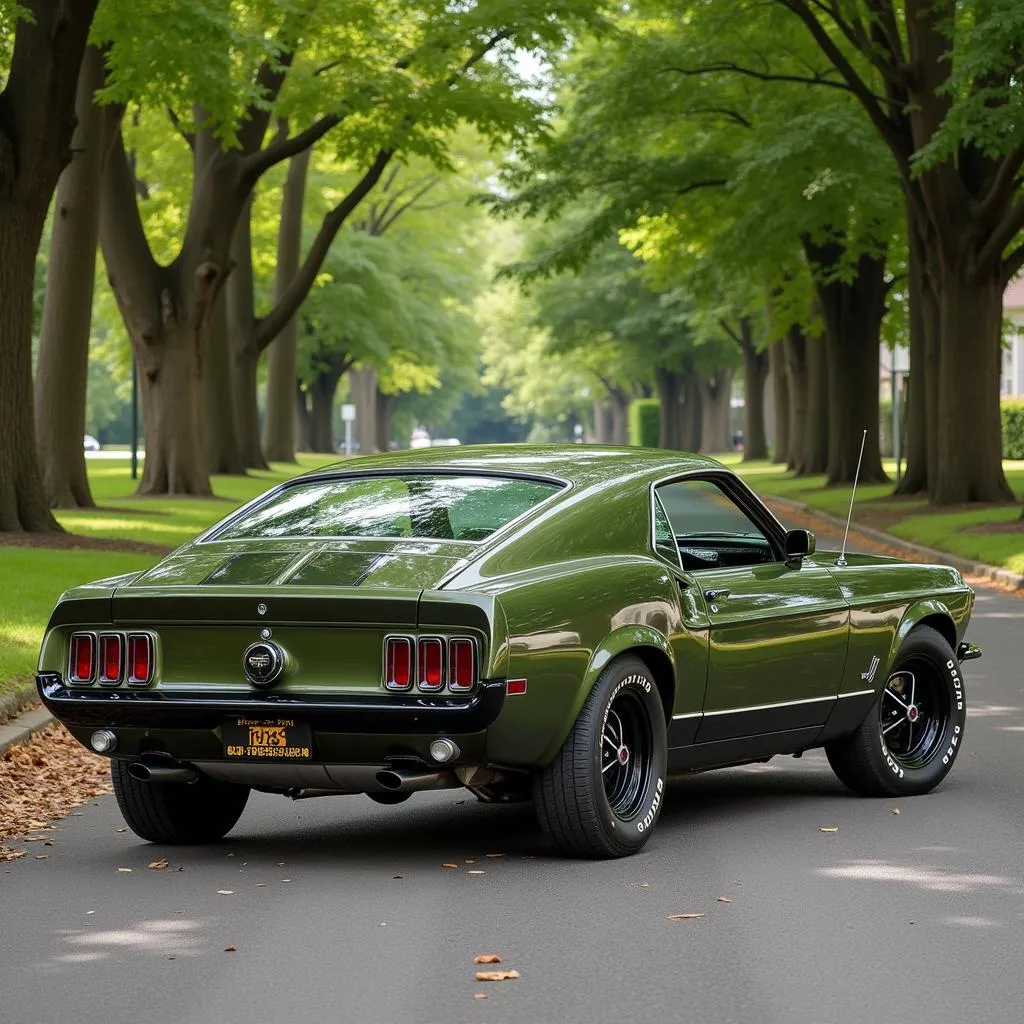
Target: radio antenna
x,y
841,560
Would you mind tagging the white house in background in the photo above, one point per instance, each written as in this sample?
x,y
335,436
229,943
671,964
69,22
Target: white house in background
x,y
1012,382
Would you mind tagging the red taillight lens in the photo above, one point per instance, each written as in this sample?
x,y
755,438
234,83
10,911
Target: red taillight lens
x,y
398,663
431,658
111,656
83,651
461,664
140,659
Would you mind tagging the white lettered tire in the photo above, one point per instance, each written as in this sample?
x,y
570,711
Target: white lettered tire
x,y
602,794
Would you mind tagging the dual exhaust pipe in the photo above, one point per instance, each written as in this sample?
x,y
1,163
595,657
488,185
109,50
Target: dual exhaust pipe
x,y
162,769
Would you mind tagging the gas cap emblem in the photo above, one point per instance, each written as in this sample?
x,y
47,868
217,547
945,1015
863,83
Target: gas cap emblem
x,y
263,663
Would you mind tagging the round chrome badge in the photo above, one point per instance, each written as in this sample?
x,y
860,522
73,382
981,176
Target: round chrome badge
x,y
263,663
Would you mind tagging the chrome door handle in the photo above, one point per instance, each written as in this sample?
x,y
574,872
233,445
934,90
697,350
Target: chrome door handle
x,y
716,595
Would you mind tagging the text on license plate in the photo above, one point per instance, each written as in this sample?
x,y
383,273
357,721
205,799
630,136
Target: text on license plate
x,y
267,739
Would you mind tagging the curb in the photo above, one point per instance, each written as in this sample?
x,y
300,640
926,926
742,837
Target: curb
x,y
22,728
993,572
12,704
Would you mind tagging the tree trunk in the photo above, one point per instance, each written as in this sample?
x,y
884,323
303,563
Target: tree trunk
x,y
780,385
620,418
755,369
244,355
37,121
794,347
385,409
968,437
853,313
279,426
692,416
221,438
62,368
816,439
363,386
669,412
715,399
601,421
321,391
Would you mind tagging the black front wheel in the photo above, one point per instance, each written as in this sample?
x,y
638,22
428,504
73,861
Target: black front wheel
x,y
177,812
602,794
910,739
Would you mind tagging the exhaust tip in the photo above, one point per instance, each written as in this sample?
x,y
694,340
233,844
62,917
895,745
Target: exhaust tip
x,y
139,771
389,779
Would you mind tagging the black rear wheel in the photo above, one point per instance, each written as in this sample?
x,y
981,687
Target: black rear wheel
x,y
910,738
602,794
178,812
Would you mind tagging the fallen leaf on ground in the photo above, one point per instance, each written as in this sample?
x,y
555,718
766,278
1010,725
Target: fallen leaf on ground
x,y
469,860
644,885
479,995
125,871
398,876
158,865
285,880
493,855
683,917
225,892
895,810
42,856
725,899
261,885
230,949
829,828
487,958
496,975
475,872
455,866
44,778
120,830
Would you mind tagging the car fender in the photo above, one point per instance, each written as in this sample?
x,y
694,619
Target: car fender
x,y
620,641
915,614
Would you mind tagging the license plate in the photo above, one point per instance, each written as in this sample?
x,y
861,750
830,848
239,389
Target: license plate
x,y
267,739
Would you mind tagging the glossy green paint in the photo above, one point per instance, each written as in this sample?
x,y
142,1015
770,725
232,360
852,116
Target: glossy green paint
x,y
552,598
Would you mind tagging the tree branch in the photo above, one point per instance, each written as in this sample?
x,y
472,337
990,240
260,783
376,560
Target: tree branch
x,y
1004,233
1012,264
724,324
1004,184
385,221
258,163
179,127
869,101
270,77
268,327
762,76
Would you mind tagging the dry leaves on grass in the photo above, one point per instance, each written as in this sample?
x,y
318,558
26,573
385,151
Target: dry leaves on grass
x,y
44,778
496,975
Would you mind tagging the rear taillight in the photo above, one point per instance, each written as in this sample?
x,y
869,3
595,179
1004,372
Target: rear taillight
x,y
431,663
81,667
398,663
140,659
111,658
461,665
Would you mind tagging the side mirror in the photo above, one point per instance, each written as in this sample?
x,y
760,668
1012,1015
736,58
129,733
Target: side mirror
x,y
798,544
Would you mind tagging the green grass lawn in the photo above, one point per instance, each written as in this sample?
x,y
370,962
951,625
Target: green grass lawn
x,y
32,578
969,532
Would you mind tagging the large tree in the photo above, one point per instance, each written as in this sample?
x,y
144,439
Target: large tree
x,y
37,119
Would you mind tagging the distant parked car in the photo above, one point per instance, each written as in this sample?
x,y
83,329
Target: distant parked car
x,y
91,444
419,439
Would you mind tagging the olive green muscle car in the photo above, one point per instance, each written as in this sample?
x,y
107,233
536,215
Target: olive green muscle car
x,y
568,624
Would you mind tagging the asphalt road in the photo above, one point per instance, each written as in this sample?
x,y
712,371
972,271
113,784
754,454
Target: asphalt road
x,y
914,917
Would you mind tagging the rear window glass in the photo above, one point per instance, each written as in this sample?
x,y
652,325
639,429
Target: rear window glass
x,y
436,507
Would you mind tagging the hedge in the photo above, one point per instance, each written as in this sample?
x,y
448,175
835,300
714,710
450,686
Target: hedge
x,y
1012,414
645,422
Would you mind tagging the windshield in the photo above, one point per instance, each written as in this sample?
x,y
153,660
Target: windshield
x,y
434,507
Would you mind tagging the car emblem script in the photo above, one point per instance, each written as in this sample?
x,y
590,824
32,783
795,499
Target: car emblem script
x,y
263,663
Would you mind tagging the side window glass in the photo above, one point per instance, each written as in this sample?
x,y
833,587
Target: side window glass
x,y
710,529
664,542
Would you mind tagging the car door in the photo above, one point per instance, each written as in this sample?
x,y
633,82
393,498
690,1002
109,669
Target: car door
x,y
778,629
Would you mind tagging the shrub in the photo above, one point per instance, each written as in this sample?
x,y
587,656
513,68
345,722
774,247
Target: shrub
x,y
1012,415
644,422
